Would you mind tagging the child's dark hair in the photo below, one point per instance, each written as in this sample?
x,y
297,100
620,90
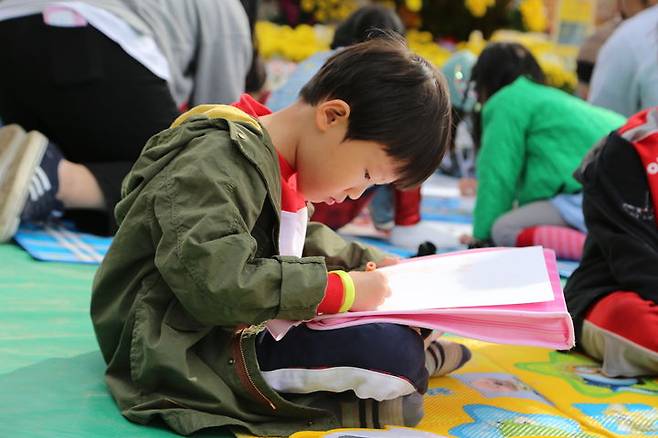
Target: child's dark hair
x,y
499,65
358,27
396,98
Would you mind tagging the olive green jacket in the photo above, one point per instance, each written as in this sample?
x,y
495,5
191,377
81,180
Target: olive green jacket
x,y
194,272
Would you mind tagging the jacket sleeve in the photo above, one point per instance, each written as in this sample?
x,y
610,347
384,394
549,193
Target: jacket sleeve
x,y
499,165
338,252
208,257
224,52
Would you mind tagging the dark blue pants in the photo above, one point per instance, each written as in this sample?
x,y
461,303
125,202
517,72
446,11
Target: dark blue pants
x,y
380,361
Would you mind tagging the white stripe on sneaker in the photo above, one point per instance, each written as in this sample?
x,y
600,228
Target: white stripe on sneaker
x,y
33,193
38,187
41,174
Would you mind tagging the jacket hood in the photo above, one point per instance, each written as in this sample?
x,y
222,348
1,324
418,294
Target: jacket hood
x,y
162,148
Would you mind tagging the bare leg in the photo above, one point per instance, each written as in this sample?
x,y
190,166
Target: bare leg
x,y
78,188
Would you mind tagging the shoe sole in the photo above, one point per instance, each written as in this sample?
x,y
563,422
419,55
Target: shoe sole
x,y
20,154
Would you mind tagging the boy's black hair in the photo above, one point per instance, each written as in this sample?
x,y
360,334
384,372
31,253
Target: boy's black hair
x,y
499,65
359,26
396,98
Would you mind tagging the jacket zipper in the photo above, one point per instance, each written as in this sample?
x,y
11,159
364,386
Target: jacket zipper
x,y
243,373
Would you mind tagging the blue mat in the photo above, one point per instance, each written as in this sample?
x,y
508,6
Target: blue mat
x,y
61,243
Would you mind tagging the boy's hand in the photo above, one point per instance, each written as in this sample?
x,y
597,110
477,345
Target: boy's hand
x,y
371,290
388,261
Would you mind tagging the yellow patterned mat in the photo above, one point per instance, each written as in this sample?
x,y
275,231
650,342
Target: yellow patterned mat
x,y
507,391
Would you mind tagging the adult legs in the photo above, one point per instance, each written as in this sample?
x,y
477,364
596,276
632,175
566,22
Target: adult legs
x,y
89,97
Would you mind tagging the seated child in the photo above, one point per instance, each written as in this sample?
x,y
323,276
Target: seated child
x,y
213,242
613,295
531,139
394,211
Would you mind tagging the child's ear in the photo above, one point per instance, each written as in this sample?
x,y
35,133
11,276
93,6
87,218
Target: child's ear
x,y
330,113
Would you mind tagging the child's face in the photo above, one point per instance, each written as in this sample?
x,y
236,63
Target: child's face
x,y
329,169
343,170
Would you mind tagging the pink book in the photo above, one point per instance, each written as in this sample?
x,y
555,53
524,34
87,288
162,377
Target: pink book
x,y
525,280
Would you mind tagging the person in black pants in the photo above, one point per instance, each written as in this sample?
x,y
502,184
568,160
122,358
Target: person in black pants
x,y
89,105
92,99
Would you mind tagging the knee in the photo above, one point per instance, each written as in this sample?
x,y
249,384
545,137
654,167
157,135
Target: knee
x,y
397,341
504,232
613,312
412,409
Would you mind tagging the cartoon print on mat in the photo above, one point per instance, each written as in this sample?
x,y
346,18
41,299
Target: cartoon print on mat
x,y
492,385
494,422
439,391
634,419
585,376
393,432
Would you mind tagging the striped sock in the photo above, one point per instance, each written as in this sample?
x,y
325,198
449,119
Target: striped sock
x,y
352,411
566,242
443,357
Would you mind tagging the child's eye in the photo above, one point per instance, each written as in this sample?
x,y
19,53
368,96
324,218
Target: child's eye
x,y
367,175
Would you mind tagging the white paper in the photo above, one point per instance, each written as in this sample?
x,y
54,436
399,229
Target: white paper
x,y
487,278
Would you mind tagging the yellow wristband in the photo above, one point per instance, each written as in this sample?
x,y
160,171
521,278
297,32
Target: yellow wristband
x,y
349,292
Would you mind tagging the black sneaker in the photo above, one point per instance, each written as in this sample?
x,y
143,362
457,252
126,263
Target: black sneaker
x,y
41,204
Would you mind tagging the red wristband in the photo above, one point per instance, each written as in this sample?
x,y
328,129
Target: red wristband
x,y
333,295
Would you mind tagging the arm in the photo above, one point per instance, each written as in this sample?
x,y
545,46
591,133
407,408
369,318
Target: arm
x,y
224,52
614,81
208,257
338,252
499,164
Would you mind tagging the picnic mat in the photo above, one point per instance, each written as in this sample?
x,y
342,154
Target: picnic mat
x,y
51,377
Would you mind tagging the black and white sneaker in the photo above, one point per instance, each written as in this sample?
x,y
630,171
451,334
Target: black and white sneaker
x,y
21,154
41,204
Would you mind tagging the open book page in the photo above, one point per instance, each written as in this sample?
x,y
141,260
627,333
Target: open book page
x,y
473,278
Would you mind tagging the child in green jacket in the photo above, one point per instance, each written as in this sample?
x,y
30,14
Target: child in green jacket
x,y
532,138
213,243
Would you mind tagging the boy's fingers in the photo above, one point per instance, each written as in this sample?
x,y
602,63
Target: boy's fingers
x,y
389,261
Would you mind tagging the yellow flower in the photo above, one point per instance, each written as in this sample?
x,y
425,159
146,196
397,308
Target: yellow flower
x,y
292,44
533,14
308,5
479,7
414,5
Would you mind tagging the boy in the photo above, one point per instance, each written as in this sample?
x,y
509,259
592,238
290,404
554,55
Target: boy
x,y
213,242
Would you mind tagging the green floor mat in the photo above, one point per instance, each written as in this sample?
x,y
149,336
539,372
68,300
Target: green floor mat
x,y
51,371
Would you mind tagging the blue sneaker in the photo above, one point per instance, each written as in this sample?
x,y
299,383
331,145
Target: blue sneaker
x,y
21,154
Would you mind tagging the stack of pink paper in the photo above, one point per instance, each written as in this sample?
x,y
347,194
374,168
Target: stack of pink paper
x,y
503,295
